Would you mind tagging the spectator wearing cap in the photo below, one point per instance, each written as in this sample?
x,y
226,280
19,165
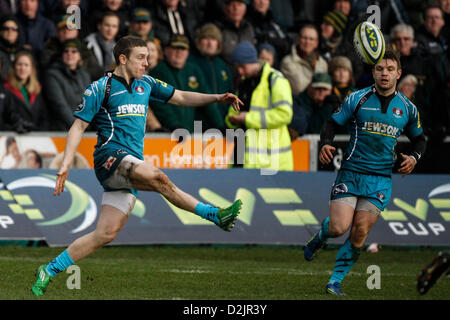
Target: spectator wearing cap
x,y
234,27
266,113
266,29
64,84
304,60
102,42
9,42
208,43
54,47
310,110
333,42
34,28
177,70
173,17
141,24
267,53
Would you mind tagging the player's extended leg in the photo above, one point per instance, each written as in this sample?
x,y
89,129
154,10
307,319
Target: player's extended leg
x,y
110,222
339,221
146,177
348,254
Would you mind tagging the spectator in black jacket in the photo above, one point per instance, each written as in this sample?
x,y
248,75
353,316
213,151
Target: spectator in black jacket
x,y
65,82
9,42
170,17
34,29
267,30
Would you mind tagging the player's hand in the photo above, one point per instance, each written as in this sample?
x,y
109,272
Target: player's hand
x,y
408,164
326,154
229,98
60,180
237,118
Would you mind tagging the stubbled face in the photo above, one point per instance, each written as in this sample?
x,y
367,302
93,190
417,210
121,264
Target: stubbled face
x,y
23,68
308,41
176,57
403,41
10,31
136,63
208,46
386,74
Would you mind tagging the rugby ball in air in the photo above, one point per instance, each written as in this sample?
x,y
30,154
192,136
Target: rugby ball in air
x,y
368,42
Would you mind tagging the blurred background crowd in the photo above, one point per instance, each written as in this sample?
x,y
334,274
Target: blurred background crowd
x,y
46,63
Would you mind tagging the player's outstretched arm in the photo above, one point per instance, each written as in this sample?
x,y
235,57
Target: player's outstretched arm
x,y
73,140
195,99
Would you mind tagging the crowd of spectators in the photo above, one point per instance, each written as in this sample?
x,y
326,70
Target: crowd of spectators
x,y
46,63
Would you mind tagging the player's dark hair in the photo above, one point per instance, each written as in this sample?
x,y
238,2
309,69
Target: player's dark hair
x,y
392,54
124,46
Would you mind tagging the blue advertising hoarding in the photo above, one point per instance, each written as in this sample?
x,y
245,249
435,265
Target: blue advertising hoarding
x,y
284,208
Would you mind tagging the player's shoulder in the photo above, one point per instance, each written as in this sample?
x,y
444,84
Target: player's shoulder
x,y
96,87
409,105
355,97
152,81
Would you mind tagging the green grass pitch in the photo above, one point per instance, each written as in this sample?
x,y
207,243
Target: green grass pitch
x,y
216,273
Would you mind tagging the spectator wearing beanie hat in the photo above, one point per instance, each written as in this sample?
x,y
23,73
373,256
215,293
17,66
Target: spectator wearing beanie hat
x,y
267,110
334,43
208,43
331,29
267,52
341,72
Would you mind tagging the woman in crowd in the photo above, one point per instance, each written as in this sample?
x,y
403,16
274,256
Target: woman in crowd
x,y
27,102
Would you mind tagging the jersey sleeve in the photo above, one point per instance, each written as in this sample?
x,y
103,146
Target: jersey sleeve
x,y
161,91
413,127
91,103
344,113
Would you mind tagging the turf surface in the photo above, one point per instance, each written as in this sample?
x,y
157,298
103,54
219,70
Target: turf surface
x,y
216,273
